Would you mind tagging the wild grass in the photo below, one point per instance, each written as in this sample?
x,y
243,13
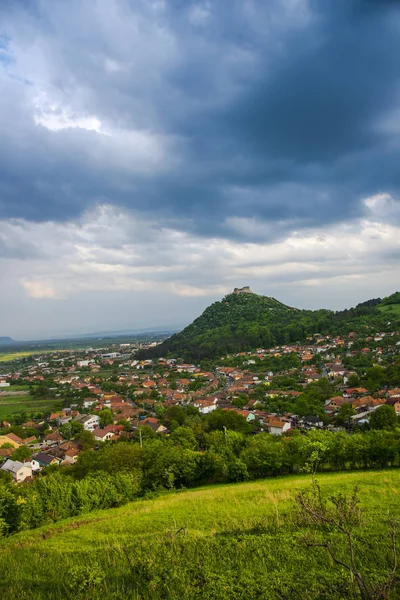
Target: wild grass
x,y
389,309
238,541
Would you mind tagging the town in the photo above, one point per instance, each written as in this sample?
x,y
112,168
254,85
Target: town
x,y
93,396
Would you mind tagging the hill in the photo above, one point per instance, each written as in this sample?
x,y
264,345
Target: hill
x,y
5,341
239,541
243,321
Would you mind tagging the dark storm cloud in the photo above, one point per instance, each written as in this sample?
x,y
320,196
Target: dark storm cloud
x,y
280,115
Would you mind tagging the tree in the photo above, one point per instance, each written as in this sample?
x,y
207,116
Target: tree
x,y
106,417
184,436
69,430
344,414
86,438
353,381
22,453
218,419
125,424
341,515
384,417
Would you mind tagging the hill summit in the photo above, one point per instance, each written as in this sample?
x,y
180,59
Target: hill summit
x,y
240,321
244,290
244,320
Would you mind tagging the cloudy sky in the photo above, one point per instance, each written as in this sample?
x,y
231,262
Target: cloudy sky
x,y
154,154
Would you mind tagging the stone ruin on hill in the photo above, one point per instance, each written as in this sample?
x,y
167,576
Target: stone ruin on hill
x,y
243,290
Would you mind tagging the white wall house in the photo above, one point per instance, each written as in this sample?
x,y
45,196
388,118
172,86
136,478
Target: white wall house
x,y
206,406
89,402
89,422
277,427
102,436
18,470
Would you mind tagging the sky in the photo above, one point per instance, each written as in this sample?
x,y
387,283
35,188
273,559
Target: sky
x,y
155,154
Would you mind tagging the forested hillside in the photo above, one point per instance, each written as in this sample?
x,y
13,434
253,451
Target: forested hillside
x,y
241,322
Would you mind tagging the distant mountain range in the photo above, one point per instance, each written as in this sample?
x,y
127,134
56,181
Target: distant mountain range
x,y
5,341
120,332
8,341
243,321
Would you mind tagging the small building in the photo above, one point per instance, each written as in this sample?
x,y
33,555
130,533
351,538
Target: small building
x,y
395,402
277,426
11,438
103,435
89,422
71,455
18,470
88,402
41,460
82,363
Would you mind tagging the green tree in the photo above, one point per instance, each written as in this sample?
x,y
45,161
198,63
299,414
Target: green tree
x,y
86,438
106,417
344,414
185,437
22,453
384,417
219,419
353,381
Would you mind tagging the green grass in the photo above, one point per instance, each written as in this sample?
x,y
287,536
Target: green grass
x,y
10,405
218,542
388,309
16,388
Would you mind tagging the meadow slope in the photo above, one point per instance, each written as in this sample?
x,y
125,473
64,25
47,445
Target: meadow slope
x,y
229,541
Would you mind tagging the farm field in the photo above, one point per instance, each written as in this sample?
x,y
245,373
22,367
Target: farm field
x,y
237,541
6,357
10,356
12,404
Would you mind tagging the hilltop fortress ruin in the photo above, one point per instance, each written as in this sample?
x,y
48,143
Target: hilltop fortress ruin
x,y
243,290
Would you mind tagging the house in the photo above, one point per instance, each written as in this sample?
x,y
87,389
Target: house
x,y
71,455
395,402
5,453
336,402
41,460
354,392
30,440
89,422
88,402
52,439
206,405
154,424
277,426
18,470
82,363
102,435
249,416
11,438
311,422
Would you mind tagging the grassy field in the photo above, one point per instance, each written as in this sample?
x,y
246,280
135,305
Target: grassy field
x,y
390,309
10,356
238,541
10,405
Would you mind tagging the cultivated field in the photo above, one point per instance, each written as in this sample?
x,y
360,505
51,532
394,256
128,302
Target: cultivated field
x,y
240,541
10,404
